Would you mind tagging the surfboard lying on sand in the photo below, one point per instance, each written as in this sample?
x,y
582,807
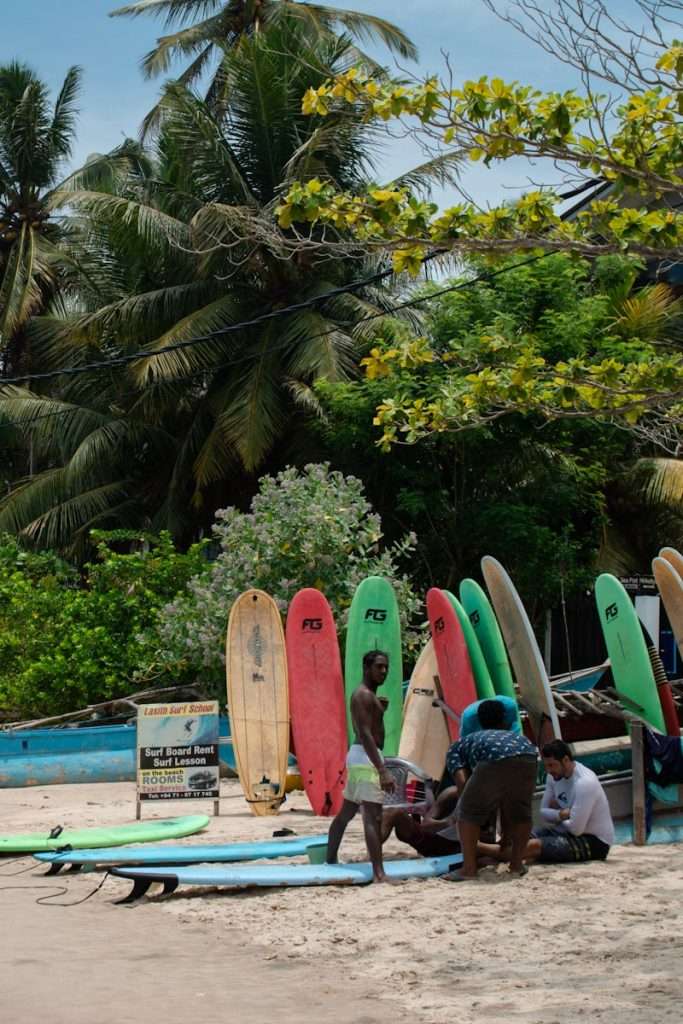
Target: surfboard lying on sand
x,y
253,876
204,853
114,835
530,672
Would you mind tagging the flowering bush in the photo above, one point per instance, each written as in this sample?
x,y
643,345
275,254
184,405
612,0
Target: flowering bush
x,y
313,528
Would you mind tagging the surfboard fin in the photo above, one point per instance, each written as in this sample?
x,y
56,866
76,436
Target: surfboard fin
x,y
141,885
54,869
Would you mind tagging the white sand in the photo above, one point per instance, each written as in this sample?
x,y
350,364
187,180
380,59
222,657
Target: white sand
x,y
598,941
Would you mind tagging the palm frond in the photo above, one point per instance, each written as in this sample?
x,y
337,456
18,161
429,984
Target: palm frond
x,y
664,481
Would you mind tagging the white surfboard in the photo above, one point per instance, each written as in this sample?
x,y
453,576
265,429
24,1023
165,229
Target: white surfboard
x,y
424,736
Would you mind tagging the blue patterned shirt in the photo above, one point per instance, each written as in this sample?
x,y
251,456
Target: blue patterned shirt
x,y
487,745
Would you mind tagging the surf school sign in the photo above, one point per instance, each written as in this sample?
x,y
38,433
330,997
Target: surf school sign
x,y
177,751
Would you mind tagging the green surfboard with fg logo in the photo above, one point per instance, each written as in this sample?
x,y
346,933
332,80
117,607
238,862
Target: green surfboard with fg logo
x,y
631,668
374,624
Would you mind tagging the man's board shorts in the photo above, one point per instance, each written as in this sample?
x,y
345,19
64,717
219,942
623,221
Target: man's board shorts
x,y
560,847
508,783
362,780
431,844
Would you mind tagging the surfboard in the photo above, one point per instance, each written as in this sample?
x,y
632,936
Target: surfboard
x,y
258,703
530,673
113,835
153,855
674,558
667,579
374,624
424,736
670,586
455,669
485,625
316,700
480,671
254,876
631,668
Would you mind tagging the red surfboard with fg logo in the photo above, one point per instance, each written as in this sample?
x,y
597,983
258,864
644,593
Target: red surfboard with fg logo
x,y
316,700
455,671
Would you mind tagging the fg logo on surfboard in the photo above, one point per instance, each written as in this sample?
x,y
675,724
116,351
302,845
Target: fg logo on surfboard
x,y
611,612
375,615
474,617
439,624
312,625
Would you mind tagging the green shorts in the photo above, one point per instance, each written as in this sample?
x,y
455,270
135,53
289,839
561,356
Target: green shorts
x,y
362,785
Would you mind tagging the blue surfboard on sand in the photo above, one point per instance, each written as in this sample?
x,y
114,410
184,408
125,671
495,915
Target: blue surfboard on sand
x,y
196,853
252,876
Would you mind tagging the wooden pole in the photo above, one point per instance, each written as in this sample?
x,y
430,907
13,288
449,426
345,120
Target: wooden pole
x,y
638,774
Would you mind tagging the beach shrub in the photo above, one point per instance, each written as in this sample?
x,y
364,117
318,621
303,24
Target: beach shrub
x,y
309,528
68,640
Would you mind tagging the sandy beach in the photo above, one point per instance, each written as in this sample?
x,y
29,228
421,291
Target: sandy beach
x,y
600,941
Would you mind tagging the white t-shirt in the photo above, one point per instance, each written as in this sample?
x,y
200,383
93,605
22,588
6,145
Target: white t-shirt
x,y
585,798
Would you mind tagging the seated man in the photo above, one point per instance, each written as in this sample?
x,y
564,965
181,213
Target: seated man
x,y
436,835
501,766
579,824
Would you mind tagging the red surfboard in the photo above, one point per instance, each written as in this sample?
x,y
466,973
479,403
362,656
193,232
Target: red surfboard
x,y
455,671
316,700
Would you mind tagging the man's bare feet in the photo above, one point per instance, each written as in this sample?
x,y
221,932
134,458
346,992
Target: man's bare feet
x,y
457,876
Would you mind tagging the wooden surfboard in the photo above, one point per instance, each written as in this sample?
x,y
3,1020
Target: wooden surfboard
x,y
480,670
670,586
485,625
424,736
530,673
258,705
674,558
375,624
316,700
631,668
455,669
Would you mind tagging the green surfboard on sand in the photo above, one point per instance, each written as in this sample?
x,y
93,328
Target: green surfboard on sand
x,y
483,621
374,624
115,835
480,671
628,655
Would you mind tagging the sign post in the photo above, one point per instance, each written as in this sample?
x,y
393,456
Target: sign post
x,y
177,753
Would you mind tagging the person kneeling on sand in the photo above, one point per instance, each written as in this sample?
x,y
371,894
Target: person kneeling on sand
x,y
435,835
368,778
501,766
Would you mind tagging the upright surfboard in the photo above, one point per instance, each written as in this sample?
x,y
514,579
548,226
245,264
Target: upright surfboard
x,y
374,624
674,558
258,703
530,673
455,669
670,586
316,700
631,668
424,736
485,625
480,670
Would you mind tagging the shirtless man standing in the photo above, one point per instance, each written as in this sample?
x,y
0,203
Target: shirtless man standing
x,y
368,779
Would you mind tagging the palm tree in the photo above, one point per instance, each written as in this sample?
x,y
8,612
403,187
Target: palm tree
x,y
191,246
35,139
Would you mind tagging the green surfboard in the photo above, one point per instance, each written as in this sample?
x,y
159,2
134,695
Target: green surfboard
x,y
485,625
480,671
628,655
115,835
374,624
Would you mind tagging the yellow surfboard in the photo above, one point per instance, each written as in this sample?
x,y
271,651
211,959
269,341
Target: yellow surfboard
x,y
670,586
258,699
424,736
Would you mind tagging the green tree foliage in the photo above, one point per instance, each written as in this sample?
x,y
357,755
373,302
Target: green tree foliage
x,y
67,641
313,528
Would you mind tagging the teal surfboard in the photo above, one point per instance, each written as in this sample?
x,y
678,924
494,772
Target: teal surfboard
x,y
631,668
485,625
253,876
374,624
151,855
480,671
115,835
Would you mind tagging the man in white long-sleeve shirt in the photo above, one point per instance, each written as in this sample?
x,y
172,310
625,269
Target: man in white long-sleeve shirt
x,y
578,821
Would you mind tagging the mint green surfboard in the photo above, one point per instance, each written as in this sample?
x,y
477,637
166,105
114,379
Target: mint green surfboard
x,y
374,624
115,835
483,620
628,655
480,671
